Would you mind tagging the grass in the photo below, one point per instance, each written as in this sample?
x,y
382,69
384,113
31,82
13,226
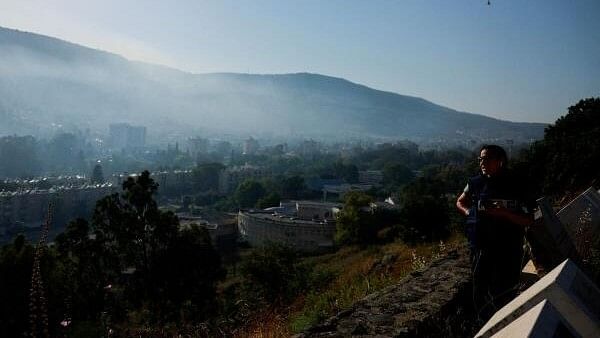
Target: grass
x,y
350,274
358,273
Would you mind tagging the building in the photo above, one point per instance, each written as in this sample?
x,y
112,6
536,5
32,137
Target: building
x,y
372,177
171,182
230,178
342,189
310,227
223,147
250,146
222,229
125,136
317,184
197,146
25,210
308,148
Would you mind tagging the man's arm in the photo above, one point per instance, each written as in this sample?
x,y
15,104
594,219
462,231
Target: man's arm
x,y
463,203
523,220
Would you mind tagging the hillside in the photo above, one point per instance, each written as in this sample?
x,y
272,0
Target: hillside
x,y
46,81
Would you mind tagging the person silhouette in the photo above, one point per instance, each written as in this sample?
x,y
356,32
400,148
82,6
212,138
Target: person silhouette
x,y
494,204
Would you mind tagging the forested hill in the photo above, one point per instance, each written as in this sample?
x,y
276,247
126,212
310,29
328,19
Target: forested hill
x,y
45,81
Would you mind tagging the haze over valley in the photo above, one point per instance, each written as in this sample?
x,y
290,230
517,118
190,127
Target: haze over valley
x,y
47,83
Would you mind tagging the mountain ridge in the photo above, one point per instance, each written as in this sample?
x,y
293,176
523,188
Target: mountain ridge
x,y
47,80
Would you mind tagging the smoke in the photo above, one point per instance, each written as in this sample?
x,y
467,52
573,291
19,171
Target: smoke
x,y
69,85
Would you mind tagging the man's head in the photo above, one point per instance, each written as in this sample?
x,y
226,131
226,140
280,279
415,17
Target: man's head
x,y
492,159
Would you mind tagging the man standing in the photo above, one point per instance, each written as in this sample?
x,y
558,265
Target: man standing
x,y
494,204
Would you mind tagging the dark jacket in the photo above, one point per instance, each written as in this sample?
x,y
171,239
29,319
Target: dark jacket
x,y
488,233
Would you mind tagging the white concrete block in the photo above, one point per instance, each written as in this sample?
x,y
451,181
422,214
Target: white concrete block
x,y
568,289
541,321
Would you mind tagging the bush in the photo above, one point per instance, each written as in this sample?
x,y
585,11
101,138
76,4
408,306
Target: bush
x,y
274,272
271,200
248,193
424,214
354,224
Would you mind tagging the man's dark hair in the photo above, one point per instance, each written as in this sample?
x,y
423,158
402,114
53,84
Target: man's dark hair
x,y
496,152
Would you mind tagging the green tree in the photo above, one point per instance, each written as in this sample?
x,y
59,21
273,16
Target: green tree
x,y
451,177
396,174
348,172
355,223
134,233
424,215
569,155
205,176
292,187
186,275
16,261
274,272
272,199
85,276
248,193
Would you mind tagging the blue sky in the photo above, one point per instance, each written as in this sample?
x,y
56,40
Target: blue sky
x,y
521,60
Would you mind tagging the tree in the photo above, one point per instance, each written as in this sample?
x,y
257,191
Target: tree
x,y
97,175
248,193
354,225
348,172
570,151
84,271
206,176
396,174
452,177
292,187
274,272
271,200
186,274
424,213
16,260
134,233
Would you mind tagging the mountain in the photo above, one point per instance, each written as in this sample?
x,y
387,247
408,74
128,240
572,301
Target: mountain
x,y
47,82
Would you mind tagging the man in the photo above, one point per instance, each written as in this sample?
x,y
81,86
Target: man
x,y
494,204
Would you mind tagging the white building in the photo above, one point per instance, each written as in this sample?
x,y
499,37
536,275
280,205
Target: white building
x,y
310,228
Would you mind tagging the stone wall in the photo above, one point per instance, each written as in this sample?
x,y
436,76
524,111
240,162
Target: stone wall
x,y
433,302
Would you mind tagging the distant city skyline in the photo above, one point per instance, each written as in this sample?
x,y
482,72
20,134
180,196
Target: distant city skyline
x,y
513,60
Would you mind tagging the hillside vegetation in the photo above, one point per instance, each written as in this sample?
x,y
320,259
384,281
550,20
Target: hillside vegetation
x,y
344,277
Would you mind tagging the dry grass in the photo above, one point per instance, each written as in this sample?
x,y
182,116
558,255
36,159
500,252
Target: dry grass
x,y
270,323
356,273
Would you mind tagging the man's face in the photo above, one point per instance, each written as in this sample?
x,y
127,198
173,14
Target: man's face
x,y
488,164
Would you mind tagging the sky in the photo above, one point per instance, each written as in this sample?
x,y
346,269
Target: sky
x,y
518,60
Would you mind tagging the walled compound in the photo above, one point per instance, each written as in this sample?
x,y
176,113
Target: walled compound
x,y
304,225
